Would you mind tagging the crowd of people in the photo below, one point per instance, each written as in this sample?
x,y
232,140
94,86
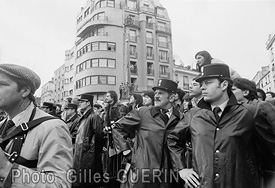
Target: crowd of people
x,y
220,134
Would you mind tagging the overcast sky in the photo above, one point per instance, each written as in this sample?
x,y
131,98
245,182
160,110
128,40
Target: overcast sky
x,y
36,33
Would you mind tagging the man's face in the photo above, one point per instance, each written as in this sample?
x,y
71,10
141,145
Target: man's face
x,y
260,96
239,94
147,100
69,111
268,96
45,109
9,94
212,91
83,105
108,98
163,100
195,89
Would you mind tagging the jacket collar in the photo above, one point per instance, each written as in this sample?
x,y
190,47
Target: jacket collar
x,y
155,111
231,102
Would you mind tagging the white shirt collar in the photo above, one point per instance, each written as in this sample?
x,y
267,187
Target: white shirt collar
x,y
222,106
24,116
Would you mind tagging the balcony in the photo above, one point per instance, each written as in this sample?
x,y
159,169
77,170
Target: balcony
x,y
164,74
86,27
88,36
133,38
150,56
133,54
146,9
164,59
149,25
131,22
150,72
131,8
163,44
162,29
149,40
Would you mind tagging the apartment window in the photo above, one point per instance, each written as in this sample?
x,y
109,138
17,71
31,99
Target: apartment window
x,y
99,16
185,82
71,92
87,12
163,41
71,79
71,67
149,37
102,62
133,67
102,46
149,52
149,19
176,77
94,62
164,70
150,69
133,50
163,55
111,3
98,32
133,36
94,80
111,63
160,12
112,47
132,4
94,46
103,3
67,69
88,80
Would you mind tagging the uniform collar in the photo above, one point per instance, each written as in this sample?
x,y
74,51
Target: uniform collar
x,y
231,102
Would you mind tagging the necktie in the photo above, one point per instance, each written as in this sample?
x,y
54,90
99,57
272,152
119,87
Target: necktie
x,y
164,116
216,111
8,125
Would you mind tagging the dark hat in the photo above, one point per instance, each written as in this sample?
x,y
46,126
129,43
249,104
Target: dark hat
x,y
23,73
167,85
150,94
86,97
71,106
47,105
216,70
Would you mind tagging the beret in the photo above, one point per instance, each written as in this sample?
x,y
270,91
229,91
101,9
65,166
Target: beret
x,y
24,73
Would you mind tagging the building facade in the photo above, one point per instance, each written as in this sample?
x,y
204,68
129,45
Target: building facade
x,y
59,84
270,46
122,45
184,76
47,92
265,79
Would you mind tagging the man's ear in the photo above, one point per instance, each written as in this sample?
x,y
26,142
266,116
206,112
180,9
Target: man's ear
x,y
25,91
224,85
172,97
246,92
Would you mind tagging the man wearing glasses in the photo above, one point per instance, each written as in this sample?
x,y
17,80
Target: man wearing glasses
x,y
88,146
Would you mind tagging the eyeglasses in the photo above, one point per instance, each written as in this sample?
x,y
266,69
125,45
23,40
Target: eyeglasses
x,y
81,101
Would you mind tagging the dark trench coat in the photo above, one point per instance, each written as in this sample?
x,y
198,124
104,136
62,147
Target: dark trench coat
x,y
224,153
150,162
